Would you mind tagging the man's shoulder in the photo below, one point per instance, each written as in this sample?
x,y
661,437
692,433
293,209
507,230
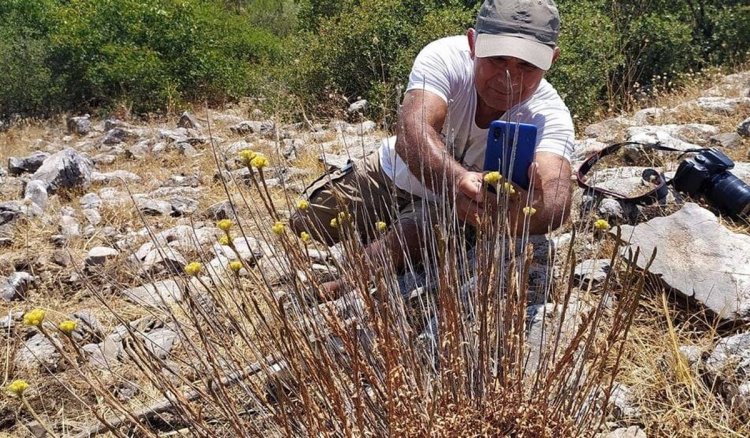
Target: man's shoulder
x,y
546,97
455,48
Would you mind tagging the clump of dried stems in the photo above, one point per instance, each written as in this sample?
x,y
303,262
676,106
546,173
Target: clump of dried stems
x,y
453,357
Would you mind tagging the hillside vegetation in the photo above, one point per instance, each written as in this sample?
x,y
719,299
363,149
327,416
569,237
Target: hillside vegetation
x,y
160,55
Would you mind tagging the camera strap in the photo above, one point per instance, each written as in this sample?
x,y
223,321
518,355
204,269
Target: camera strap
x,y
649,175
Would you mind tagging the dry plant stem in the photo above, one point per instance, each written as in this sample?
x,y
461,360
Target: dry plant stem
x,y
166,404
98,387
36,417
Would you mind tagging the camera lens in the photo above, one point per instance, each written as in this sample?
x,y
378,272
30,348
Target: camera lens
x,y
730,194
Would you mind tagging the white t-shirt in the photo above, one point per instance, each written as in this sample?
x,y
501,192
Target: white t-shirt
x,y
445,68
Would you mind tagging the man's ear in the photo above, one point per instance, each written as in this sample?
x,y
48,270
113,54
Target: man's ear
x,y
556,54
471,35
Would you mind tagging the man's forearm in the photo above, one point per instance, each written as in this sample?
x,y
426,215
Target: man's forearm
x,y
550,203
429,160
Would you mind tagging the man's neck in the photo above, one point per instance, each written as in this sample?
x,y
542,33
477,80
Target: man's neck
x,y
484,115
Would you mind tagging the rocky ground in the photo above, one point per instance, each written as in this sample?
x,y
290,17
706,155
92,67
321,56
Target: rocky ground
x,y
107,208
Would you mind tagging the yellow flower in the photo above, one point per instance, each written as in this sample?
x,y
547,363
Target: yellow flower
x,y
492,177
225,240
529,211
601,224
508,188
259,162
303,205
34,317
17,387
278,228
224,225
246,156
67,326
380,226
344,216
304,236
334,223
193,268
235,265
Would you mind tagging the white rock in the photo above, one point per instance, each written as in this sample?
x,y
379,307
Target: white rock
x,y
100,254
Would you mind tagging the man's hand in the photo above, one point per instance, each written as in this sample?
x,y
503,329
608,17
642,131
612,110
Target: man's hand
x,y
469,197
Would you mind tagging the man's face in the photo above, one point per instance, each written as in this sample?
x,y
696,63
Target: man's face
x,y
502,82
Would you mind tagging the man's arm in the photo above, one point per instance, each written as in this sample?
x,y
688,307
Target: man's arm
x,y
550,195
419,144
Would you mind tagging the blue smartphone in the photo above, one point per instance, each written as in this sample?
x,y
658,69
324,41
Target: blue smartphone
x,y
510,150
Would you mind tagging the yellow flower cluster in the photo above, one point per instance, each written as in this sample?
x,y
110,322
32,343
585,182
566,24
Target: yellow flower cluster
x,y
225,240
278,228
224,225
193,268
304,236
529,211
601,224
18,387
67,327
235,265
34,317
508,188
492,177
381,226
259,162
303,205
246,156
334,223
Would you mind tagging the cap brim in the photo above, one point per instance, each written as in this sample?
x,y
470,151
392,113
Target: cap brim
x,y
538,54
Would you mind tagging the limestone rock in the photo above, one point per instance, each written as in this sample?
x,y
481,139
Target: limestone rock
x,y
36,192
11,211
366,127
188,121
252,127
90,200
158,294
720,105
591,271
727,140
650,135
14,286
30,164
80,125
358,107
118,135
69,226
153,207
98,255
699,258
114,177
625,432
729,364
648,116
220,210
743,128
160,342
65,169
38,352
621,399
608,131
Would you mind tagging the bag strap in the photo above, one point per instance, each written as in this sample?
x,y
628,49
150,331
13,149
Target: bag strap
x,y
651,175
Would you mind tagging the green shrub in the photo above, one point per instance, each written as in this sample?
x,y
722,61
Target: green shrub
x,y
368,48
141,51
589,52
26,82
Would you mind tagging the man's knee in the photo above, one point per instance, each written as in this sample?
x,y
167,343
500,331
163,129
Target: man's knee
x,y
308,222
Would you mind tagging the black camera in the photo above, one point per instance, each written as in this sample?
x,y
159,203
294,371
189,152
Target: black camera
x,y
707,175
